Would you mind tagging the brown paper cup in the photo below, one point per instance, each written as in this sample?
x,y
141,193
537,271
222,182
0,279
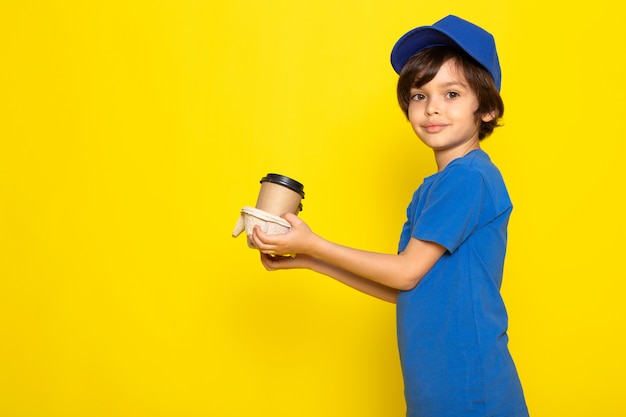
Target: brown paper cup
x,y
280,195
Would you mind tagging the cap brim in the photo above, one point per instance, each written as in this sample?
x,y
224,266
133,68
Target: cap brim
x,y
414,41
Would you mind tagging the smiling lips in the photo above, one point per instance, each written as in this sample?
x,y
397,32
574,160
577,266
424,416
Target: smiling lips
x,y
434,128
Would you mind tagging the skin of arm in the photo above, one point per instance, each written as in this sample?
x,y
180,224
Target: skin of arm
x,y
359,283
351,266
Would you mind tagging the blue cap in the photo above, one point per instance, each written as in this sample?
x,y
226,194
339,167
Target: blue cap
x,y
451,31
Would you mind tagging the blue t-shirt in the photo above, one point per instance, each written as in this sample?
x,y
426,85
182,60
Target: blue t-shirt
x,y
452,325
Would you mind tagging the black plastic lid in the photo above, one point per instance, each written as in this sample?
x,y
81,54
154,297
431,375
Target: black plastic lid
x,y
285,182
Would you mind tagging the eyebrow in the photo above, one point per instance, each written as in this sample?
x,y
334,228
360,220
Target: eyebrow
x,y
449,84
454,84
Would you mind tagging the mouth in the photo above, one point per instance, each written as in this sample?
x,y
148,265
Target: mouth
x,y
434,128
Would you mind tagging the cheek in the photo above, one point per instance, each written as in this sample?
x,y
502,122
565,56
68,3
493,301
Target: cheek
x,y
414,111
465,114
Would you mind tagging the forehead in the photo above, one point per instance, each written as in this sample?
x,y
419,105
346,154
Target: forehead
x,y
450,72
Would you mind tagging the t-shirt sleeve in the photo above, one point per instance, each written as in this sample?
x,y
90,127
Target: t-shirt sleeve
x,y
452,208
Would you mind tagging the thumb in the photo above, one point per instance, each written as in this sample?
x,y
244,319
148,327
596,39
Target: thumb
x,y
291,218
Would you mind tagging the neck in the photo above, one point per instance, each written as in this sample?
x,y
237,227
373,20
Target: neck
x,y
444,157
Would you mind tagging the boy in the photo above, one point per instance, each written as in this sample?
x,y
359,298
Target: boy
x,y
447,274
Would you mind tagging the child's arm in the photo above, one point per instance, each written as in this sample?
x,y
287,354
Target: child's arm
x,y
306,261
402,271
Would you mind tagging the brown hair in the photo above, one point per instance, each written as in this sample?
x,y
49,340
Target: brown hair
x,y
423,67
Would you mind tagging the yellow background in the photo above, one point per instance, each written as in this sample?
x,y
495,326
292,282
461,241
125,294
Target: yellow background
x,y
132,132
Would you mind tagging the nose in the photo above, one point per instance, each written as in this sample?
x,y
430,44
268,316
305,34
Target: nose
x,y
432,107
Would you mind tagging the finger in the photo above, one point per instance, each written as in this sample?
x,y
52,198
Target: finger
x,y
266,260
257,240
273,263
291,218
263,247
262,236
258,237
257,232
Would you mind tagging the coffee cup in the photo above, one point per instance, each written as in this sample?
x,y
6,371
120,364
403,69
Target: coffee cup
x,y
279,195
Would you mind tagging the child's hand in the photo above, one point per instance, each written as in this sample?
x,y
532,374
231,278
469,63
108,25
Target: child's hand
x,y
296,241
273,263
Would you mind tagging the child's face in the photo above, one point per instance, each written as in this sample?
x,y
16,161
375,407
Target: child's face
x,y
442,111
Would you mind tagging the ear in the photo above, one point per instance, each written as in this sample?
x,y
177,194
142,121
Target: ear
x,y
488,117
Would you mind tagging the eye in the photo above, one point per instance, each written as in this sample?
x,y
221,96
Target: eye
x,y
418,97
452,94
